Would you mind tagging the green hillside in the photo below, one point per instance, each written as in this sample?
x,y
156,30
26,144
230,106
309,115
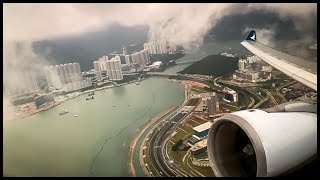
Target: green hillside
x,y
215,65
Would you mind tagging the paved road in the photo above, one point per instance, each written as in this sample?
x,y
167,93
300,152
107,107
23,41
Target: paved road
x,y
157,141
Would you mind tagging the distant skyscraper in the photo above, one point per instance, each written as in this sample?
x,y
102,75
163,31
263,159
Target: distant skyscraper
x,y
163,47
142,59
117,58
63,75
96,66
100,66
158,48
145,46
114,69
173,46
154,49
242,64
124,50
127,59
27,83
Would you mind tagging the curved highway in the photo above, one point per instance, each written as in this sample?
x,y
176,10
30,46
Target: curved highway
x,y
158,138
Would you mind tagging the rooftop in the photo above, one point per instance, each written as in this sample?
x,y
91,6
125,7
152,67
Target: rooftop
x,y
203,127
199,145
208,94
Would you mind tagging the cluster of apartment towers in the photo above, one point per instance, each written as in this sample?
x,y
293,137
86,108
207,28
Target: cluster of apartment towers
x,y
68,76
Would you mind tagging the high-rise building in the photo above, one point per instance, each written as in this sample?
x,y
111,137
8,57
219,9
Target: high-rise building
x,y
27,83
153,46
117,58
210,104
157,47
141,58
146,57
64,75
127,59
100,66
124,50
114,69
242,64
247,75
145,46
163,47
96,66
230,95
173,46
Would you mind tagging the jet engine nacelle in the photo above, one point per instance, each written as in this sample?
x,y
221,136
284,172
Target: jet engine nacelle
x,y
267,142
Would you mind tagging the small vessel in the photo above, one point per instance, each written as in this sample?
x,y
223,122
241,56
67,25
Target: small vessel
x,y
114,106
90,94
64,111
90,98
137,83
128,104
75,115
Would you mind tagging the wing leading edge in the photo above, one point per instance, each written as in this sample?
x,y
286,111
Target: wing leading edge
x,y
299,69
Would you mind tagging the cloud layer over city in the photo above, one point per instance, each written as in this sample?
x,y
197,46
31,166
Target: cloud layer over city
x,y
183,24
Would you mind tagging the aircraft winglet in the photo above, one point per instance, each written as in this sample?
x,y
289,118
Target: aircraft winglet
x,y
252,36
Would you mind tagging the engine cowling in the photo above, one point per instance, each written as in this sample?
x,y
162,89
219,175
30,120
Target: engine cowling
x,y
259,143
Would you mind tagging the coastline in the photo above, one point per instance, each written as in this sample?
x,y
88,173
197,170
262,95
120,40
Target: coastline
x,y
131,168
49,106
137,136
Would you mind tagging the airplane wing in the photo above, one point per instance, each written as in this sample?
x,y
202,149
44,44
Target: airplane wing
x,y
299,69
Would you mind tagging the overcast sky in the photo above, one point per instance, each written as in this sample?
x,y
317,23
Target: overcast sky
x,y
182,23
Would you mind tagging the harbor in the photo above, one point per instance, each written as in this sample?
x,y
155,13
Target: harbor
x,y
75,142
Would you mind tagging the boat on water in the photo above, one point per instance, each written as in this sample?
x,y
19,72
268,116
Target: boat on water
x,y
90,98
64,111
114,106
137,83
75,115
90,94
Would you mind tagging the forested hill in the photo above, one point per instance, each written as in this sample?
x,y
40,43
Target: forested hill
x,y
215,65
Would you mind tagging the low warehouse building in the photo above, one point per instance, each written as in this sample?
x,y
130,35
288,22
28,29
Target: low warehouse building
x,y
202,130
199,147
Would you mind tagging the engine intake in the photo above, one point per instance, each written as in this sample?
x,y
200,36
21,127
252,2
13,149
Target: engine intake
x,y
257,143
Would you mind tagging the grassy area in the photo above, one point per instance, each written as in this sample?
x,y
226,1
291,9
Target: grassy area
x,y
206,171
192,123
244,99
228,106
199,120
277,97
181,135
198,89
177,156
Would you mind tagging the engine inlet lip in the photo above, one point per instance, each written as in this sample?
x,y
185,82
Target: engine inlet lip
x,y
252,135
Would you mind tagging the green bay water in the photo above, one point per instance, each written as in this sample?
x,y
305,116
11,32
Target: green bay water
x,y
93,144
47,144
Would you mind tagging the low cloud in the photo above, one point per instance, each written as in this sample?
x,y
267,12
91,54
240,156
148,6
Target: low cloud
x,y
183,24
